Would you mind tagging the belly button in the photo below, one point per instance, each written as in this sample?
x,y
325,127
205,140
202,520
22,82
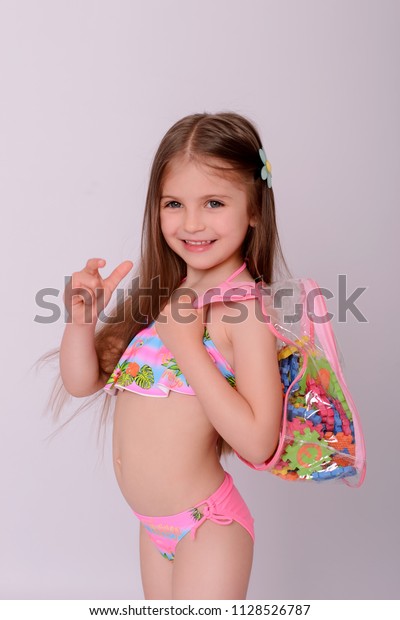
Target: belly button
x,y
118,461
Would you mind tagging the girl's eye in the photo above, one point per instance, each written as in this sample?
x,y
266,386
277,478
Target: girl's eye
x,y
173,204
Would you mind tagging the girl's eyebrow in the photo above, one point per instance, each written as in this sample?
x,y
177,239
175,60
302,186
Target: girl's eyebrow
x,y
201,197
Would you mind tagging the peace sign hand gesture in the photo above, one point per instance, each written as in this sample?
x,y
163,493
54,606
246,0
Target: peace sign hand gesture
x,y
87,293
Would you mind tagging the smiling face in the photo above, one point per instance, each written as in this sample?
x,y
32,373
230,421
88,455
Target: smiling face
x,y
199,205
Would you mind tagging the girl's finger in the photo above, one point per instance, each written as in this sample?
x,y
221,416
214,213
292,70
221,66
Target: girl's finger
x,y
118,274
93,264
203,313
85,280
74,295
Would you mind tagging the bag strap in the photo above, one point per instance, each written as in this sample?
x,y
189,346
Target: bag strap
x,y
244,290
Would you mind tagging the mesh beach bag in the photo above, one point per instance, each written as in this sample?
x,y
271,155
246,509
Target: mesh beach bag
x,y
320,437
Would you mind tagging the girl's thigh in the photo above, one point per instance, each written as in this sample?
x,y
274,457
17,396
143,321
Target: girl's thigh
x,y
156,571
215,565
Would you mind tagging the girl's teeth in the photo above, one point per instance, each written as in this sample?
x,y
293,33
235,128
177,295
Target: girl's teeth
x,y
198,242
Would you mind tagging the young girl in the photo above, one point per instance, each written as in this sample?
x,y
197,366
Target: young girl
x,y
190,384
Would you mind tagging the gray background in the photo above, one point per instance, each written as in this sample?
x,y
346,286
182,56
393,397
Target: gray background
x,y
88,88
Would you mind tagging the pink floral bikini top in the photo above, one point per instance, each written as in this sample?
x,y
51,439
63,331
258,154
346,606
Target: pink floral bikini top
x,y
147,367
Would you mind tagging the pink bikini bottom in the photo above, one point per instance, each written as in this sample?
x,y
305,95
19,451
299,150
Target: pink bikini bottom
x,y
224,506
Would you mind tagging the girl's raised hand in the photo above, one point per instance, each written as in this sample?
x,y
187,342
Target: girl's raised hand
x,y
87,293
179,325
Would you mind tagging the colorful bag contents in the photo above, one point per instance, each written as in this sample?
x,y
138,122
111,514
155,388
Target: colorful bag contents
x,y
321,437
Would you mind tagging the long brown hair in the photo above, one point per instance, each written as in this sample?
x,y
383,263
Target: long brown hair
x,y
225,138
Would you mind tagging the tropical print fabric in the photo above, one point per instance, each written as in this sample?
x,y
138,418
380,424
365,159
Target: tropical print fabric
x,y
147,367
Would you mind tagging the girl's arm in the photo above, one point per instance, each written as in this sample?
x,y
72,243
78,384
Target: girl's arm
x,y
247,418
79,363
85,295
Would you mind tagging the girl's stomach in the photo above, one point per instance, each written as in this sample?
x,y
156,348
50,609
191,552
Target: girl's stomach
x,y
164,452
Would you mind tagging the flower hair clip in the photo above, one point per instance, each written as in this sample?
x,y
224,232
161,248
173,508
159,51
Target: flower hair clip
x,y
266,169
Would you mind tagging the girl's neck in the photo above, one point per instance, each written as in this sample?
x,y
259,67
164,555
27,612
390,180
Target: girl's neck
x,y
208,278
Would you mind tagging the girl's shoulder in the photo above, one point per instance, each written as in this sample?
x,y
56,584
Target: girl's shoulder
x,y
245,318
243,315
240,295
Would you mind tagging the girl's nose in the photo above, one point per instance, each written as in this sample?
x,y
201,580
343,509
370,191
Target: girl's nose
x,y
193,221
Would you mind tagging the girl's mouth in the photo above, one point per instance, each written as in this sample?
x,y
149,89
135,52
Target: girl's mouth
x,y
197,246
